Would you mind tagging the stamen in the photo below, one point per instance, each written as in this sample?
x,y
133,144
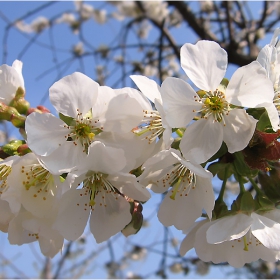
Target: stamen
x,y
150,125
83,131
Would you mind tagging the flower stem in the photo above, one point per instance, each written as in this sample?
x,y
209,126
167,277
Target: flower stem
x,y
255,186
222,191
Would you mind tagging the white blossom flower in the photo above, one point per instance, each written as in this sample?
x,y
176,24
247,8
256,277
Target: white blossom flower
x,y
88,109
5,170
191,188
239,248
269,58
205,64
26,228
102,196
154,120
32,186
10,80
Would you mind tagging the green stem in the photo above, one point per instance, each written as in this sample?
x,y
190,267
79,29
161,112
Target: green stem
x,y
255,186
222,191
179,132
241,185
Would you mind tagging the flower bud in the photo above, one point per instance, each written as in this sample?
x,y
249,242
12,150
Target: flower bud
x,y
40,109
23,149
12,147
11,114
136,221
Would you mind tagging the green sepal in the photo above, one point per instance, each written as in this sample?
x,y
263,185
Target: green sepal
x,y
260,114
11,147
220,210
66,119
263,203
244,203
270,184
241,166
176,143
201,93
218,168
264,123
225,82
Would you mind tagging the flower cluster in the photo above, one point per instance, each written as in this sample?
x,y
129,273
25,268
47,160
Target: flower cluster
x,y
98,157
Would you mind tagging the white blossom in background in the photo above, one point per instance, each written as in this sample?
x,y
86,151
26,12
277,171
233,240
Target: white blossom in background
x,y
10,80
78,49
102,196
218,121
39,24
100,16
23,26
156,10
191,188
85,10
66,18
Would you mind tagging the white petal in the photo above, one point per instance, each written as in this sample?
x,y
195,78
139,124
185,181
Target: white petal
x,y
123,112
16,233
274,39
64,159
179,102
273,115
238,130
204,194
6,215
76,91
50,247
250,87
156,169
205,64
138,95
45,133
147,86
127,142
208,252
267,231
110,216
266,57
228,228
197,169
188,241
201,140
73,214
102,158
127,185
173,211
10,81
